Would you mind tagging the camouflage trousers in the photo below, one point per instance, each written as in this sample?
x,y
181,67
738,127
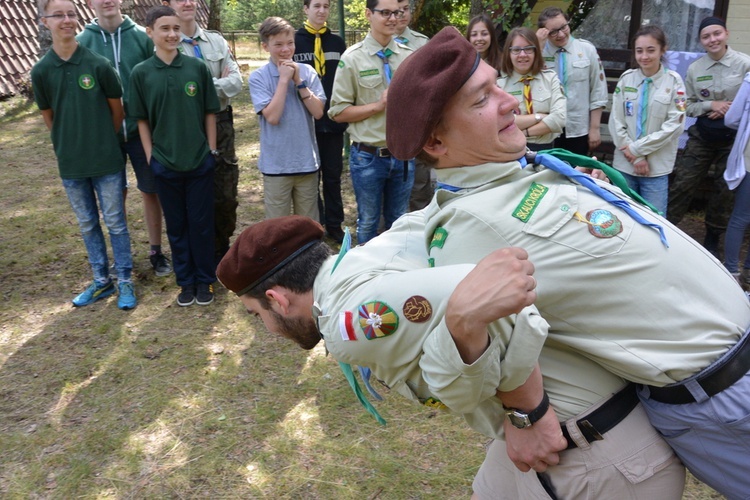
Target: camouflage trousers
x,y
226,177
690,170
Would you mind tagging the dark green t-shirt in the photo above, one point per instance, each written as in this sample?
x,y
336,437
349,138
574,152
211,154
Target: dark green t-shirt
x,y
175,99
76,91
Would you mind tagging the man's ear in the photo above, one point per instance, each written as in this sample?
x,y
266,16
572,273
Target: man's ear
x,y
278,299
435,147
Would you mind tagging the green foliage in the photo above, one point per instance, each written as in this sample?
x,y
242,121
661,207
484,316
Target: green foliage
x,y
508,13
246,15
355,15
435,15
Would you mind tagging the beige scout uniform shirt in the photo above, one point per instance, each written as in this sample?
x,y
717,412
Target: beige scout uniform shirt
x,y
651,314
218,57
586,86
708,80
414,39
547,96
360,80
419,359
666,120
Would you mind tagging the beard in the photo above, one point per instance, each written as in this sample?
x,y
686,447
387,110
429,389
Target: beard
x,y
303,331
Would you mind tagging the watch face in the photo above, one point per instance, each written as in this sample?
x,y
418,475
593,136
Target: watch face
x,y
518,419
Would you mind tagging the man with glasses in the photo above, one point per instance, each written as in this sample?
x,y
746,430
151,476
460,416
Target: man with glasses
x,y
581,74
360,89
211,47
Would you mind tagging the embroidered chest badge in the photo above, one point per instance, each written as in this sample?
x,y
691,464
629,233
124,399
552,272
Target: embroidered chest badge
x,y
191,89
417,309
377,320
86,82
530,201
603,223
438,238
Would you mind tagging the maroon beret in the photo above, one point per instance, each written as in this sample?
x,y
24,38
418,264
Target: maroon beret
x,y
264,248
421,88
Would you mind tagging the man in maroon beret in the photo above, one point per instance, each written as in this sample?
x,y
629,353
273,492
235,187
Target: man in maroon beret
x,y
612,278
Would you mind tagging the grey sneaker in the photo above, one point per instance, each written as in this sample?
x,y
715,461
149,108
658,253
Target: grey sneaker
x,y
161,264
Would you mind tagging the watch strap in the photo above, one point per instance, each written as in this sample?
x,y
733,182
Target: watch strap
x,y
534,415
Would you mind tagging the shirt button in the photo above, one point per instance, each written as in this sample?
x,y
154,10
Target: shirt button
x,y
564,208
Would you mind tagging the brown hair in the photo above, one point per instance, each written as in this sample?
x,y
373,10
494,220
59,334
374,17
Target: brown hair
x,y
548,14
272,26
492,54
654,31
506,64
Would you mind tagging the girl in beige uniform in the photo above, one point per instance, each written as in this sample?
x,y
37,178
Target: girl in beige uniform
x,y
648,116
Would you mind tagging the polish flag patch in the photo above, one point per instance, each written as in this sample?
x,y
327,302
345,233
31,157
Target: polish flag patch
x,y
346,327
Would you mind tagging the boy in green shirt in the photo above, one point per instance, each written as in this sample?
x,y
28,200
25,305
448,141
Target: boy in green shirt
x,y
78,93
174,100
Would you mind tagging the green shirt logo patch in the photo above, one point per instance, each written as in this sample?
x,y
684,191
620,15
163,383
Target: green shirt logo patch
x,y
341,63
438,238
705,78
617,90
369,72
191,89
86,82
630,89
516,92
530,201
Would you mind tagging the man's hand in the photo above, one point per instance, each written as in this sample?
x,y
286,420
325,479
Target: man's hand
x,y
501,284
628,155
719,109
535,447
595,138
641,167
542,34
383,101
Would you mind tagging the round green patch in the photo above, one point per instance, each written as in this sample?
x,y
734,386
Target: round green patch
x,y
191,89
86,82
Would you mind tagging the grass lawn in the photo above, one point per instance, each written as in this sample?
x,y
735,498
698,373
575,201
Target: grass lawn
x,y
171,402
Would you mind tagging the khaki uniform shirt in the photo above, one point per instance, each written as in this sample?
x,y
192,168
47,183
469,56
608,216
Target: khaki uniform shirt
x,y
218,57
547,96
666,120
607,286
360,80
417,356
412,39
586,86
708,80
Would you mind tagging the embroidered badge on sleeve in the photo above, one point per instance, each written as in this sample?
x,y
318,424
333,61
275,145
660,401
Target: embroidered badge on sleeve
x,y
377,320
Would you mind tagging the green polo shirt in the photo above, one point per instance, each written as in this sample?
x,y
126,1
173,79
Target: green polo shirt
x,y
175,99
76,91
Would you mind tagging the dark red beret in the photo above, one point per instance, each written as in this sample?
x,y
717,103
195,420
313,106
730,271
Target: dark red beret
x,y
421,88
264,248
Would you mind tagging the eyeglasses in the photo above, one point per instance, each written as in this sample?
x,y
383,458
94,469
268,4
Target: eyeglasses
x,y
398,14
564,27
59,17
528,50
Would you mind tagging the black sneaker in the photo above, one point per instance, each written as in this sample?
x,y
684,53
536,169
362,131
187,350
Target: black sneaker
x,y
204,294
161,264
186,296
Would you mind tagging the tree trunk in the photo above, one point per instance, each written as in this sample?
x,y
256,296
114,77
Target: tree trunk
x,y
214,15
475,8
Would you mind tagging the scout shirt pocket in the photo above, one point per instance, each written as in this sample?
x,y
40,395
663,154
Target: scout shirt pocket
x,y
371,84
542,99
660,105
579,70
572,218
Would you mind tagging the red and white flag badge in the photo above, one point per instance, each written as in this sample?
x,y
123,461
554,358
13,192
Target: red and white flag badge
x,y
346,327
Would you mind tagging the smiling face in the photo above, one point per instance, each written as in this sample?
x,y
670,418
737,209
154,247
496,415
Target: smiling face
x,y
280,46
480,37
383,29
478,124
317,12
165,33
714,40
648,53
106,8
558,25
185,9
523,61
62,28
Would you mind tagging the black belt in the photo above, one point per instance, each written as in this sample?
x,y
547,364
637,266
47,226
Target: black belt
x,y
717,378
373,150
594,425
224,115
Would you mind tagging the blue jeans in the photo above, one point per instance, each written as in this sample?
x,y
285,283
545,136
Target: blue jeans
x,y
737,226
83,194
187,199
379,186
654,190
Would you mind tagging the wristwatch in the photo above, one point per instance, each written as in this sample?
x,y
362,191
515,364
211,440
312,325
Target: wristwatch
x,y
302,84
215,152
523,420
538,117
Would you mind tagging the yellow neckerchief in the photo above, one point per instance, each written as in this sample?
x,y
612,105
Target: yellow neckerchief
x,y
320,57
